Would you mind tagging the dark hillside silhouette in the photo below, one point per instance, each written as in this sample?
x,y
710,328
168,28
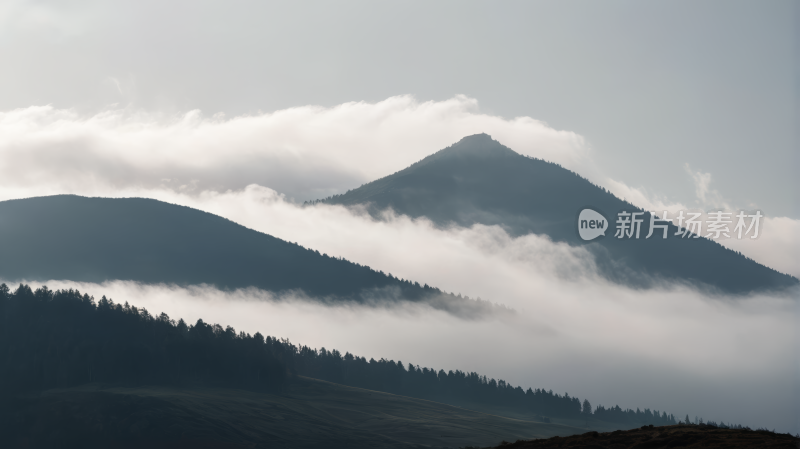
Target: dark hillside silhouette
x,y
99,239
60,339
667,437
65,339
479,180
78,373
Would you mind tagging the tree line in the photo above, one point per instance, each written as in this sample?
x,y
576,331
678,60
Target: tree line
x,y
56,339
457,387
59,339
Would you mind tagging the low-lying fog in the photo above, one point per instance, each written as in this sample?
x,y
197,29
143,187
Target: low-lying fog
x,y
671,348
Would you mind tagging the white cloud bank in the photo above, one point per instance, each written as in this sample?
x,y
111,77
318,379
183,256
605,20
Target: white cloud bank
x,y
305,153
670,349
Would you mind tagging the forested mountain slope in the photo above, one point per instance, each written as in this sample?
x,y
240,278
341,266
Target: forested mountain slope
x,y
479,180
67,237
64,339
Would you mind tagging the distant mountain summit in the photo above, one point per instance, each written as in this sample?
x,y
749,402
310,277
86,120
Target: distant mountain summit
x,y
68,237
479,180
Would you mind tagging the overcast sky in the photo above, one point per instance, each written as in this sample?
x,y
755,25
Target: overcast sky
x,y
651,86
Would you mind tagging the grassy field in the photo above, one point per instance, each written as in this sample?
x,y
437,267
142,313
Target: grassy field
x,y
311,413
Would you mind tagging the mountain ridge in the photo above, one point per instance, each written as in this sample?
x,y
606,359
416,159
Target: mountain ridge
x,y
480,181
69,237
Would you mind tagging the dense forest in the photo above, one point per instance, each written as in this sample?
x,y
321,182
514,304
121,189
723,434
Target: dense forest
x,y
457,387
52,339
57,339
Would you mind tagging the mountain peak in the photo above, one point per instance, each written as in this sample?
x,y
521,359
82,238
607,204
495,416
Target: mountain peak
x,y
481,137
476,145
476,140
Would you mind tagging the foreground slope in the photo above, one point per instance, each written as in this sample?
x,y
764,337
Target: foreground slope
x,y
686,436
311,413
478,180
67,237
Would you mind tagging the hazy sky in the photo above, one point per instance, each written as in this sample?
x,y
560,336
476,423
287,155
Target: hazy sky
x,y
651,86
